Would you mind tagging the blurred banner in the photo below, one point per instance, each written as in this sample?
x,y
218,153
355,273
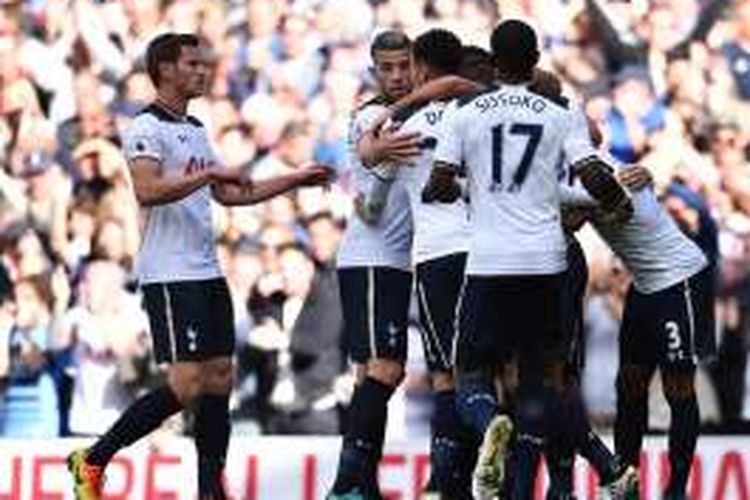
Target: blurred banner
x,y
302,468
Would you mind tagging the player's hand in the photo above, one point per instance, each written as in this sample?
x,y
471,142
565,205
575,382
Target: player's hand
x,y
397,147
441,194
635,177
447,191
316,175
220,175
382,120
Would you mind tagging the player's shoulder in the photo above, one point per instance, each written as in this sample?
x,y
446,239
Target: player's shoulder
x,y
466,99
155,114
379,101
429,111
366,114
558,101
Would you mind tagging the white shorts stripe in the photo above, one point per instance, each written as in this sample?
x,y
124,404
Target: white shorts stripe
x,y
430,326
371,312
691,317
170,322
457,322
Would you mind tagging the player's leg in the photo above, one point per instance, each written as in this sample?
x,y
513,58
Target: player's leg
x,y
683,313
375,303
212,424
170,317
532,314
638,346
560,453
476,354
438,285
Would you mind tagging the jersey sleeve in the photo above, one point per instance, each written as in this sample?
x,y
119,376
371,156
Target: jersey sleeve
x,y
450,143
577,144
142,140
575,195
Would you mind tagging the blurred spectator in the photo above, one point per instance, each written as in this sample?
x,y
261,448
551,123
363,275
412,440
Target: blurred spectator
x,y
317,355
106,330
737,50
602,322
30,406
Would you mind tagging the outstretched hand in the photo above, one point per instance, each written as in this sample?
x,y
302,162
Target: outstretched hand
x,y
635,177
317,175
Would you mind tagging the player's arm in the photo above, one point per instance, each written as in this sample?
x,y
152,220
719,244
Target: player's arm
x,y
442,186
376,146
596,175
249,192
576,195
153,188
145,152
599,179
635,177
439,88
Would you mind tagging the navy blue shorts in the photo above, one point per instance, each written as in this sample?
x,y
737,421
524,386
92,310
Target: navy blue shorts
x,y
439,284
375,304
575,281
510,318
190,320
672,328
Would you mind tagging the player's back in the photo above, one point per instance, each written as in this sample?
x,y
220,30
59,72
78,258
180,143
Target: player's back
x,y
512,141
651,245
386,242
439,229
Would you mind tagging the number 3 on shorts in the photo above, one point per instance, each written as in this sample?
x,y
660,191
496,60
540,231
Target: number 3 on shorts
x,y
674,342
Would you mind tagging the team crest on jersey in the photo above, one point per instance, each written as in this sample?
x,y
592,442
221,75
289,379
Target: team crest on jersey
x,y
182,138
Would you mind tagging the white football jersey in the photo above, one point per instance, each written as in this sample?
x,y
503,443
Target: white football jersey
x,y
439,228
510,140
650,244
387,243
178,240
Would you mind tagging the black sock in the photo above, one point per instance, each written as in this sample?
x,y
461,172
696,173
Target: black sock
x,y
535,409
584,440
143,416
630,424
683,434
212,429
560,466
600,457
476,401
450,441
363,440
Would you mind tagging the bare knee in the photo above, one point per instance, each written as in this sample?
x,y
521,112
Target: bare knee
x,y
218,376
442,381
554,376
678,385
186,381
386,371
633,382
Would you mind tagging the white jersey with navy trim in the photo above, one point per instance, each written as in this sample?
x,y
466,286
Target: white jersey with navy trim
x,y
650,244
177,243
440,229
386,243
510,141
